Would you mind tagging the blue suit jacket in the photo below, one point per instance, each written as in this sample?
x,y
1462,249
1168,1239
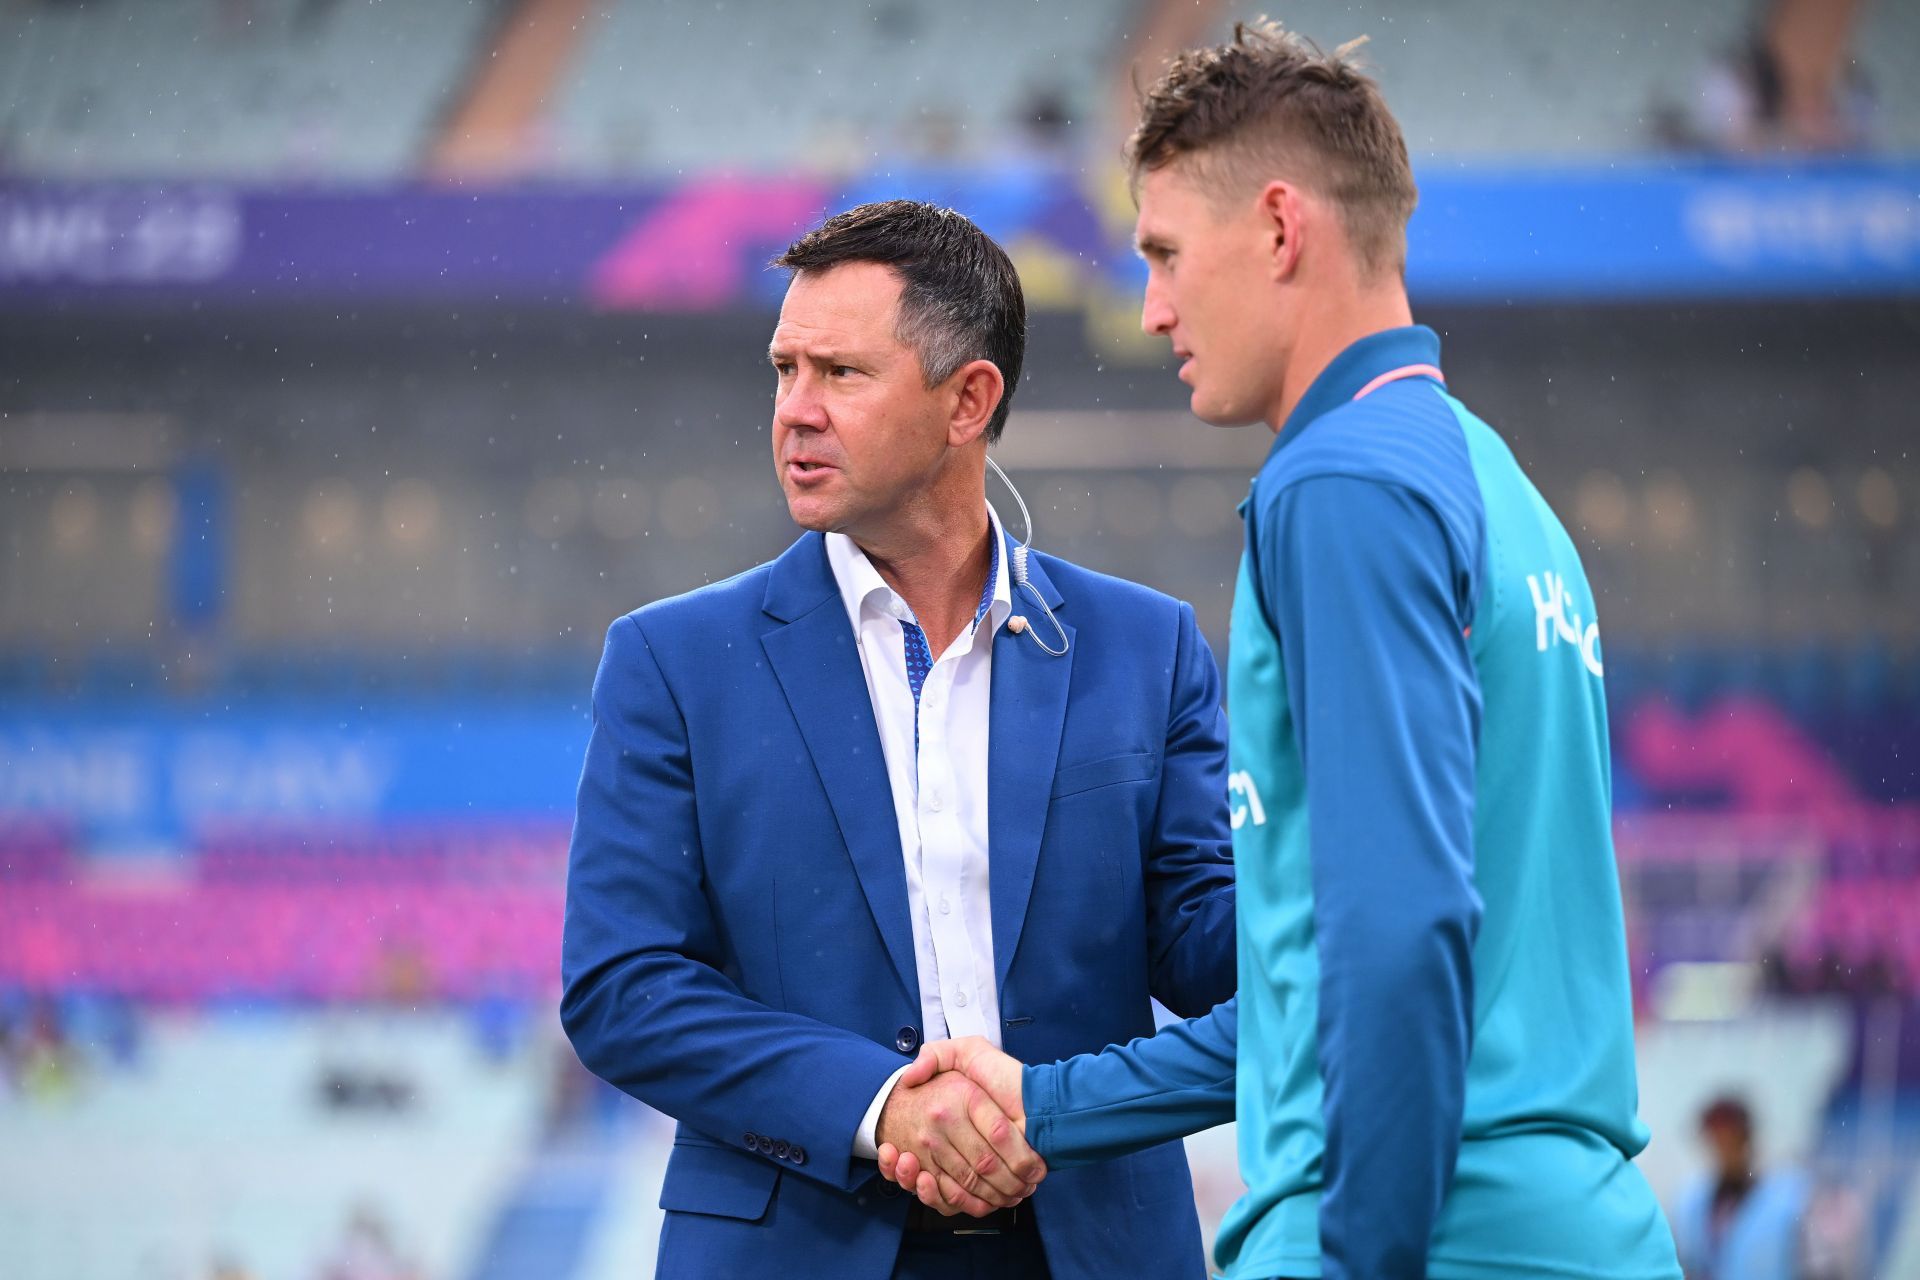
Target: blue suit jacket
x,y
738,952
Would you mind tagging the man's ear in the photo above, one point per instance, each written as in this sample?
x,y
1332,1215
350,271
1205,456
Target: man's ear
x,y
977,389
1283,217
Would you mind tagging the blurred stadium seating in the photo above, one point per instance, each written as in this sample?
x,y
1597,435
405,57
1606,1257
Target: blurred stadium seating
x,y
314,916
320,89
258,1135
911,80
278,89
359,363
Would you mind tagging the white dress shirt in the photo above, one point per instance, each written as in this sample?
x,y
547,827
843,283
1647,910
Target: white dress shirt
x,y
936,755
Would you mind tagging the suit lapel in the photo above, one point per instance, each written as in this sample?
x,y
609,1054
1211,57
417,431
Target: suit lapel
x,y
818,666
1028,713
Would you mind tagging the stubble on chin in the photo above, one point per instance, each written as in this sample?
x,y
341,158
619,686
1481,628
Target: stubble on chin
x,y
810,514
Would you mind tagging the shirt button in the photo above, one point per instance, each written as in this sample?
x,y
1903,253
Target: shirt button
x,y
945,906
960,998
933,802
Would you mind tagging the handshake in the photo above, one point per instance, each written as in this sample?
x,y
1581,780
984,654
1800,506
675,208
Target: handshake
x,y
953,1131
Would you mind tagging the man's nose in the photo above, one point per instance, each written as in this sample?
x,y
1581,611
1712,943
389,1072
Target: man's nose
x,y
1156,313
802,407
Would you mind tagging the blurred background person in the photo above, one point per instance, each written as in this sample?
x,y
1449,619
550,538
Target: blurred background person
x,y
366,1252
1794,84
1734,1219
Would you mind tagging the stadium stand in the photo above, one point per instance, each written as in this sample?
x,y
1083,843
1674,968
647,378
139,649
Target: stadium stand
x,y
1575,79
307,88
284,89
313,915
230,1137
825,84
815,84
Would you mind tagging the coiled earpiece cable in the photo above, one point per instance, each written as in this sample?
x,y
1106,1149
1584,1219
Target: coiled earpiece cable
x,y
1020,574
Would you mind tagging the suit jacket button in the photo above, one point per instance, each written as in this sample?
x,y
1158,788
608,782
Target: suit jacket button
x,y
799,1155
752,1141
908,1040
781,1148
766,1145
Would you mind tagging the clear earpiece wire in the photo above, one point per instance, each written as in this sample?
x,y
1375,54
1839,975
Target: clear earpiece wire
x,y
1020,568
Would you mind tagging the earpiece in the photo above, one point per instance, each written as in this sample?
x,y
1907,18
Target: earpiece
x,y
1018,625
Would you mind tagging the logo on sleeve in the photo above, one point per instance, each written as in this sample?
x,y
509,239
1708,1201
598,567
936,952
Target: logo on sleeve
x,y
1243,799
1556,619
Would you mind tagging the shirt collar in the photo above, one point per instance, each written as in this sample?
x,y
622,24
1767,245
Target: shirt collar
x,y
861,585
1353,369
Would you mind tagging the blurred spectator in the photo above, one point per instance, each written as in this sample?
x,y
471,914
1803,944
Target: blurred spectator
x,y
1835,965
358,1088
313,15
50,1045
1794,86
579,1102
366,1252
404,976
933,135
1734,1223
38,1060
10,1050
1833,1242
499,1022
1043,132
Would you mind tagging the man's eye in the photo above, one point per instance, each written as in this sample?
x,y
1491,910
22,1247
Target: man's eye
x,y
782,367
841,370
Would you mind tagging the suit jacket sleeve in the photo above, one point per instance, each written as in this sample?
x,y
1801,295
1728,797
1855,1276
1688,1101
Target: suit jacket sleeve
x,y
647,1000
1189,872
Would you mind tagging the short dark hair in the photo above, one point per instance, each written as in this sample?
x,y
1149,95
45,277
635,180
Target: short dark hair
x,y
1269,103
960,297
1727,1112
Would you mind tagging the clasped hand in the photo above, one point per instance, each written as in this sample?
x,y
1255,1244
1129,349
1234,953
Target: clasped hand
x,y
953,1131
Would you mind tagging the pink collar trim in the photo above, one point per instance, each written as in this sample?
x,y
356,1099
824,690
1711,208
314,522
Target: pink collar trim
x,y
1405,371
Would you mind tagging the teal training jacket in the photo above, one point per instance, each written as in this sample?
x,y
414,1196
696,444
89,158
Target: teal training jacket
x,y
1431,1053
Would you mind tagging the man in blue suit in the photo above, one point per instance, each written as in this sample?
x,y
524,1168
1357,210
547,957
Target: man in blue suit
x,y
900,784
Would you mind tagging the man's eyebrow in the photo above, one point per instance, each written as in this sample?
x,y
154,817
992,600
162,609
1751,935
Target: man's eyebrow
x,y
817,355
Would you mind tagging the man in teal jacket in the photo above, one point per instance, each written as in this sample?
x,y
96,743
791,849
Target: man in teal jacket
x,y
1431,1053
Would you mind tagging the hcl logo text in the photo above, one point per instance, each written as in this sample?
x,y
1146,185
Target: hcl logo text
x,y
1557,619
